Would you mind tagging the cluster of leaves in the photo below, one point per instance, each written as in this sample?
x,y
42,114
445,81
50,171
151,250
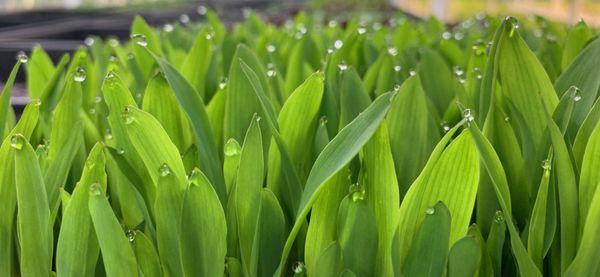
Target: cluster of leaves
x,y
370,149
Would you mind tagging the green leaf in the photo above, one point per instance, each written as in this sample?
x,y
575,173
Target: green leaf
x,y
117,254
543,224
272,233
248,197
203,230
427,253
409,120
576,40
33,214
436,78
5,98
8,198
357,233
193,105
334,157
77,248
198,60
450,176
495,171
146,256
160,101
464,258
329,263
382,192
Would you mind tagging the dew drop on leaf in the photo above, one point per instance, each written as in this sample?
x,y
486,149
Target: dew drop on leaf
x,y
17,141
164,170
139,39
22,57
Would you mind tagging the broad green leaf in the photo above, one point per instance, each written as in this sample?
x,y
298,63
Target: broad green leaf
x,y
382,193
8,198
450,176
464,258
198,60
567,196
427,253
160,101
585,262
272,233
329,263
542,226
143,33
436,78
409,121
357,233
33,213
193,105
66,137
77,249
117,254
322,230
494,168
203,230
168,218
248,187
589,176
146,256
576,39
334,157
39,72
524,81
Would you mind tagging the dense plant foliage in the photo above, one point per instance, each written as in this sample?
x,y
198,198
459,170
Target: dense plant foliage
x,y
376,148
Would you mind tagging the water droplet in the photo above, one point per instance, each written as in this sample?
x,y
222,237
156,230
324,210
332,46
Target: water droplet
x,y
168,28
338,44
140,40
113,42
127,115
412,72
342,66
478,74
36,102
164,170
397,68
271,73
576,93
232,148
392,51
499,217
329,50
513,24
209,36
89,41
445,126
459,36
184,18
17,141
361,30
396,87
79,75
222,84
332,24
92,111
113,59
551,37
120,151
201,10
446,35
507,119
271,48
298,267
468,115
430,211
323,120
479,48
109,76
22,57
547,164
108,135
97,99
358,196
458,71
302,29
95,189
130,235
